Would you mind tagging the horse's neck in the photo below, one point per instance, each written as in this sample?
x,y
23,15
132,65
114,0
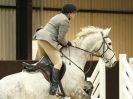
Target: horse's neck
x,y
77,57
74,76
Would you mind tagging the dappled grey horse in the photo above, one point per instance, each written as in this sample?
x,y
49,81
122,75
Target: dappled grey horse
x,y
32,85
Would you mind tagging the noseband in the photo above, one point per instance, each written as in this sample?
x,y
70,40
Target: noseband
x,y
104,43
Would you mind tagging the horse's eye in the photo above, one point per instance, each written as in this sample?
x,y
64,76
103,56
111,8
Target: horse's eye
x,y
109,43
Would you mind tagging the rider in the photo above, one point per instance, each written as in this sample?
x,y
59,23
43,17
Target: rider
x,y
50,36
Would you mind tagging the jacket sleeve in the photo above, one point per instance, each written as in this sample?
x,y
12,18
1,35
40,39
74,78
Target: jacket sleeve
x,y
63,29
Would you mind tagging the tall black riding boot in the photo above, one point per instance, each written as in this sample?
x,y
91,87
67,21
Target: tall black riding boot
x,y
55,81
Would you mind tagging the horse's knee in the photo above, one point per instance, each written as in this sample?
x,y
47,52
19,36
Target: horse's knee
x,y
79,93
88,87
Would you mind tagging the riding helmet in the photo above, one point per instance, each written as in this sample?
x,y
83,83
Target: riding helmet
x,y
69,8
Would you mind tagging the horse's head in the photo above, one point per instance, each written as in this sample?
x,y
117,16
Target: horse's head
x,y
96,40
105,49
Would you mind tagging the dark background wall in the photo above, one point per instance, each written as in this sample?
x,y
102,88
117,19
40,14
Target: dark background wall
x,y
10,67
23,29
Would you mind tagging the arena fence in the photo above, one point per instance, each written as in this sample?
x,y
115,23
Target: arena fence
x,y
125,77
98,79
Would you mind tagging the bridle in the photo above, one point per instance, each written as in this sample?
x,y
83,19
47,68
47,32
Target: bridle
x,y
104,43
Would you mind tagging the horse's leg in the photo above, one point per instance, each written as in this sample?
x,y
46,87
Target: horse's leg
x,y
88,87
79,93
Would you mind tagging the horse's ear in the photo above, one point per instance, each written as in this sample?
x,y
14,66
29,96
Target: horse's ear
x,y
106,31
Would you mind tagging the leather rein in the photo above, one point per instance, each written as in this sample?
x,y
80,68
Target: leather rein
x,y
91,53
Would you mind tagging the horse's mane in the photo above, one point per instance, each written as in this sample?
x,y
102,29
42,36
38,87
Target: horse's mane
x,y
89,30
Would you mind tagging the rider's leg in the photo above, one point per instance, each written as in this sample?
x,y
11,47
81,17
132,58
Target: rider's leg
x,y
55,57
39,57
40,52
52,53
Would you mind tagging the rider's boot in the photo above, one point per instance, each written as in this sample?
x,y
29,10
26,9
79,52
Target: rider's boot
x,y
55,81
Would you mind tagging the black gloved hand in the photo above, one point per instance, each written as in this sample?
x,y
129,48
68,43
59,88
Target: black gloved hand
x,y
69,43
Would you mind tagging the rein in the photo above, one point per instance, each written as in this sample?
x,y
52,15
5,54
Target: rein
x,y
72,62
91,53
91,56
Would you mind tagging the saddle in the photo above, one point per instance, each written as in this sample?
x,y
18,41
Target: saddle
x,y
47,71
45,67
